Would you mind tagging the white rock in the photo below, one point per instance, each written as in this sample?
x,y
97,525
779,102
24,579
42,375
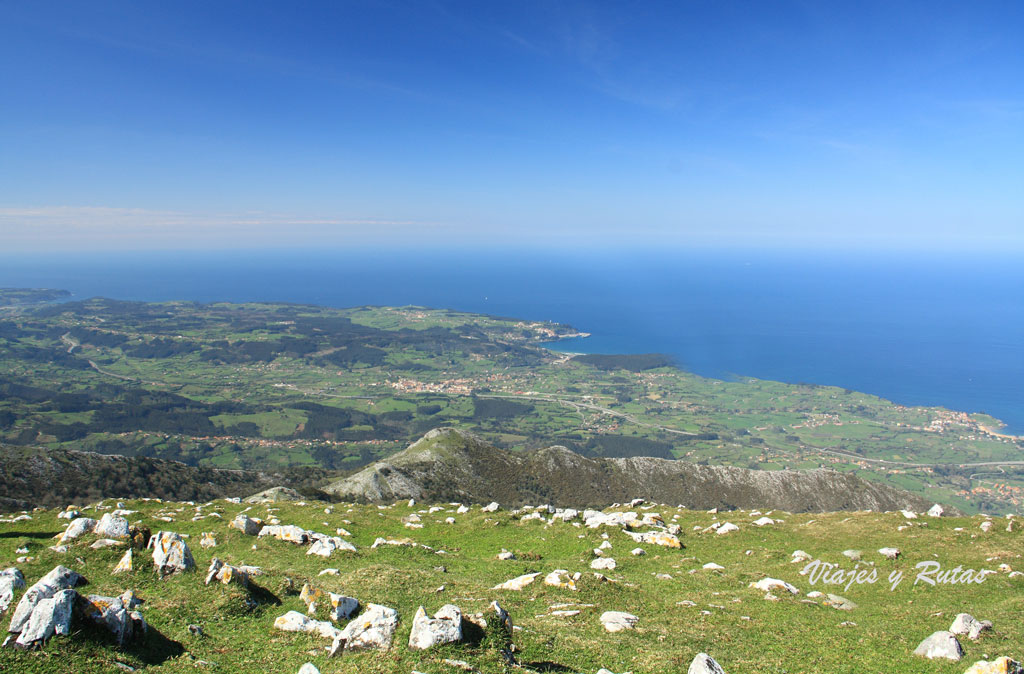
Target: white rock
x,y
603,564
58,579
506,555
936,511
170,553
115,614
308,668
517,583
726,528
77,527
374,628
111,526
769,584
293,621
1003,665
49,616
764,521
444,628
555,579
704,664
986,525
800,556
711,566
616,621
247,525
342,607
11,579
889,553
638,552
491,507
909,514
940,645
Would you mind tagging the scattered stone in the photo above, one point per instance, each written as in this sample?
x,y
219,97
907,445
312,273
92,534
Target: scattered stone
x,y
286,532
444,628
11,579
49,616
909,514
1003,665
554,579
293,621
111,526
657,538
889,553
769,584
616,621
727,528
491,507
711,566
638,552
763,522
106,543
247,525
171,554
517,583
208,541
852,555
800,556
704,664
374,629
325,546
116,614
936,511
986,525
506,555
400,542
58,579
308,668
940,645
840,603
342,607
226,574
126,564
603,564
78,527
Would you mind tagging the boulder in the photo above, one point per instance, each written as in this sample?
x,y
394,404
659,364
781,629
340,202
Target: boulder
x,y
308,668
293,621
769,584
704,664
373,629
936,511
1003,665
246,524
889,553
11,579
799,556
325,546
491,507
555,579
342,607
208,541
126,564
727,528
762,522
116,614
78,527
49,616
940,645
58,579
444,628
286,532
111,526
603,564
226,574
171,554
616,621
852,555
517,583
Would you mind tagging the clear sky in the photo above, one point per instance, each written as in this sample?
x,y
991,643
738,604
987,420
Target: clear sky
x,y
876,125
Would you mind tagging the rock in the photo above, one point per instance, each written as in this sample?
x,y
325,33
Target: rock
x,y
962,624
293,621
111,526
638,552
106,543
226,574
986,525
286,532
936,511
126,564
727,528
1003,665
115,614
800,556
504,621
506,555
375,629
889,553
769,584
656,538
909,514
444,628
593,519
274,494
491,507
342,607
49,616
246,525
308,668
77,527
517,583
840,603
852,555
603,564
940,645
400,542
763,522
58,579
616,621
208,541
711,566
978,628
171,554
11,579
704,664
310,595
554,579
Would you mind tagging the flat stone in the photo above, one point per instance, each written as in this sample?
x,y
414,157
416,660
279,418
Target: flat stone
x,y
704,664
603,564
726,528
1003,665
769,584
841,603
373,629
517,583
889,553
616,621
293,621
941,644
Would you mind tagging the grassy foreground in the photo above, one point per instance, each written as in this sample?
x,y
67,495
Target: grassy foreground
x,y
731,621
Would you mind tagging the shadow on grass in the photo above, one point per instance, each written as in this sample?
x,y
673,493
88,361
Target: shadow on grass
x,y
262,595
29,534
547,667
153,649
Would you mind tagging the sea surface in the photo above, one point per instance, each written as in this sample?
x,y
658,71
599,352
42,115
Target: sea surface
x,y
918,330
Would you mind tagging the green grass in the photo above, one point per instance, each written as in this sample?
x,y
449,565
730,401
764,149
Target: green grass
x,y
743,631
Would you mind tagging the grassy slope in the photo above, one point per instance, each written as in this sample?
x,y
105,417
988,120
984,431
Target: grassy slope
x,y
784,636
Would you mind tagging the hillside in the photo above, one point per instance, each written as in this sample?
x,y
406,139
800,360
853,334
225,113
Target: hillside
x,y
686,601
448,464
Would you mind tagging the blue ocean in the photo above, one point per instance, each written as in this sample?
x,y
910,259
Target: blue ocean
x,y
925,330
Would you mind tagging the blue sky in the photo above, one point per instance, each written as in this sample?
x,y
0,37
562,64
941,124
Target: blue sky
x,y
869,125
